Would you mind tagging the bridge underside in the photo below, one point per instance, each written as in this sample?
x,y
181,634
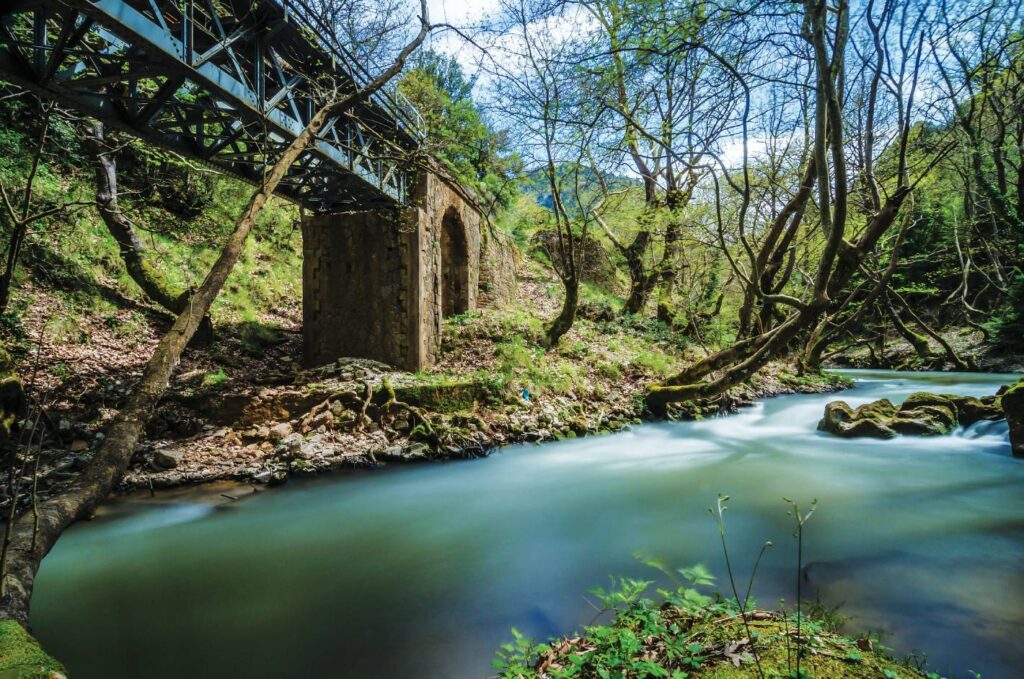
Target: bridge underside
x,y
377,283
226,82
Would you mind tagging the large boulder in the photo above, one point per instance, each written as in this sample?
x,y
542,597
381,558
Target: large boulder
x,y
837,413
926,414
869,419
167,458
1013,406
971,410
867,428
921,422
881,409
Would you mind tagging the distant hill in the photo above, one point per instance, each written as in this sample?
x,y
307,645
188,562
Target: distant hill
x,y
536,184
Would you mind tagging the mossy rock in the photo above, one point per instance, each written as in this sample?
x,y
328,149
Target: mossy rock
x,y
447,397
971,410
929,419
921,414
868,428
836,413
21,656
924,398
869,420
881,409
1013,406
918,423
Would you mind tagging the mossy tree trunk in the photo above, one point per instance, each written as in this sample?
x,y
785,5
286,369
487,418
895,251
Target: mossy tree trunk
x,y
917,341
563,322
839,259
141,270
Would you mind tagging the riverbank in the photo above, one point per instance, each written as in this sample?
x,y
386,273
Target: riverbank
x,y
308,428
233,413
969,344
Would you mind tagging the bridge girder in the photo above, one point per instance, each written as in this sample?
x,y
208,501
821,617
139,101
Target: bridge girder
x,y
228,82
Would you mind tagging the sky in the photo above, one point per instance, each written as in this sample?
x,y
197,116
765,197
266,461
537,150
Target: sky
x,y
458,13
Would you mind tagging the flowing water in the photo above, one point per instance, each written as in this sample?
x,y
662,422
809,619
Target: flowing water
x,y
421,571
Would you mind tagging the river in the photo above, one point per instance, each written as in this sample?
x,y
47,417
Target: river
x,y
421,571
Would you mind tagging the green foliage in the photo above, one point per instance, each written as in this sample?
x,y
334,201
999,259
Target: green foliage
x,y
654,362
181,213
21,656
682,635
216,380
690,633
460,136
529,365
1007,325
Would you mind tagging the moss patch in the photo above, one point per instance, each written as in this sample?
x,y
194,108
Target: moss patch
x,y
21,656
446,396
825,654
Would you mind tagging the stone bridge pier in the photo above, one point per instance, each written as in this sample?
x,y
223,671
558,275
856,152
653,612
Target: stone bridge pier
x,y
377,283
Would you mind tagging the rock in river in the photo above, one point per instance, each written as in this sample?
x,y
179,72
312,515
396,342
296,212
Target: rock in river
x,y
1013,405
921,414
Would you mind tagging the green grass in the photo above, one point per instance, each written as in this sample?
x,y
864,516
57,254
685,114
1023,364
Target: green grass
x,y
215,380
528,366
21,656
653,362
78,260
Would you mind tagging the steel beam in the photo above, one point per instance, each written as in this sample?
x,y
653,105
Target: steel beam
x,y
229,90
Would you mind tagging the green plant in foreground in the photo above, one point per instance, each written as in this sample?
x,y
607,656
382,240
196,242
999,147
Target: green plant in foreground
x,y
687,633
719,513
800,520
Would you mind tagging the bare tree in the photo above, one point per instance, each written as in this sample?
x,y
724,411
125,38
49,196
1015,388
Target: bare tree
x,y
845,243
539,86
146,275
660,76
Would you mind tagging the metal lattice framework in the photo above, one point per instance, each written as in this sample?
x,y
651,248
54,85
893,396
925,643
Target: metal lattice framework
x,y
229,82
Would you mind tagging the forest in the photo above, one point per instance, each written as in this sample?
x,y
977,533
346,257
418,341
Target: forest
x,y
363,338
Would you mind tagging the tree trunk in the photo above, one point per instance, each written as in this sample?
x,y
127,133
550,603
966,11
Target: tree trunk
x,y
138,267
563,322
918,342
13,251
669,269
951,355
839,258
640,281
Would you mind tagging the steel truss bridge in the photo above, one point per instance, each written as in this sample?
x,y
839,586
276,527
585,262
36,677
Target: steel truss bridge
x,y
227,82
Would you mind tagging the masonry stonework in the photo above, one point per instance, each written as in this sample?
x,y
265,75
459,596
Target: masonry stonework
x,y
376,284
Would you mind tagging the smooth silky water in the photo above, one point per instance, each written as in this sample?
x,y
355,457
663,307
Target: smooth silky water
x,y
421,571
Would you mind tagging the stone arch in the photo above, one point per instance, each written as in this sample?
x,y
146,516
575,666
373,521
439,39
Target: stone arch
x,y
455,295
